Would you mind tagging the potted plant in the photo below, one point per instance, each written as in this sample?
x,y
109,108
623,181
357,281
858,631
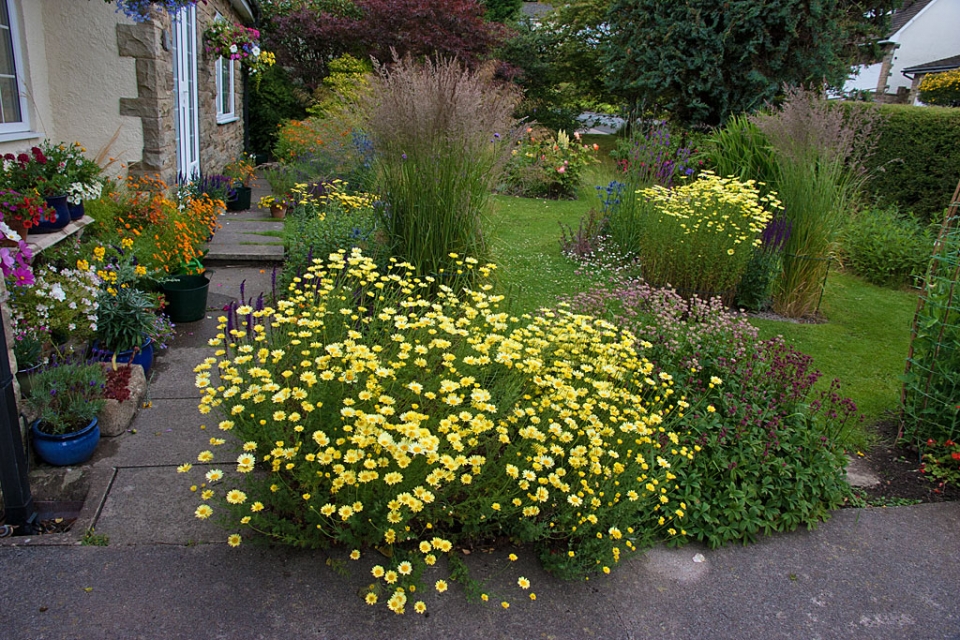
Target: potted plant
x,y
123,392
66,399
225,39
242,171
21,211
28,349
83,175
60,301
43,170
278,208
126,327
185,294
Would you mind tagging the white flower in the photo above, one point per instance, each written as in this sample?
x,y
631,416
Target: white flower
x,y
255,52
233,48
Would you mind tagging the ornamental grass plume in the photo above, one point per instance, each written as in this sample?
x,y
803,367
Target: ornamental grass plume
x,y
369,415
819,149
441,134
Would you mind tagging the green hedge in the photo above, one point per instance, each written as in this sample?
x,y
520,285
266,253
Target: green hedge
x,y
917,161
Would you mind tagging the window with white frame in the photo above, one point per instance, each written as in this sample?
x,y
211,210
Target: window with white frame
x,y
224,70
13,111
226,110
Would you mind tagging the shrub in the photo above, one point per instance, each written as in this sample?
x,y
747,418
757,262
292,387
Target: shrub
x,y
272,102
917,161
886,248
768,451
440,132
414,425
941,462
542,166
326,148
819,149
941,89
321,225
699,237
755,289
649,157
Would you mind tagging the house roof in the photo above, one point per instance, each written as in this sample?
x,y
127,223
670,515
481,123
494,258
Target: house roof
x,y
944,64
907,13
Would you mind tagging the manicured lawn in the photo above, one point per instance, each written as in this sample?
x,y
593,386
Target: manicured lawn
x,y
525,241
864,343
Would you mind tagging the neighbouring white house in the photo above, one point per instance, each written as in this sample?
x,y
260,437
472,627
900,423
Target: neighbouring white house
x,y
145,94
924,35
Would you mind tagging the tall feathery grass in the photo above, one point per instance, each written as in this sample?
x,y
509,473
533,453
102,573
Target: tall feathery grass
x,y
441,134
819,149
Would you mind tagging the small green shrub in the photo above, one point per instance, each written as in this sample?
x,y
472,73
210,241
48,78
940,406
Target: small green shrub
x,y
941,462
319,225
886,247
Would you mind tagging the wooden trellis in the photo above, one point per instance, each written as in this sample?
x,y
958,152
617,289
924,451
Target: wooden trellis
x,y
930,398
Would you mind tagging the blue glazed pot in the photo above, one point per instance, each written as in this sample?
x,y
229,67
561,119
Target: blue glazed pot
x,y
76,210
68,449
142,357
59,204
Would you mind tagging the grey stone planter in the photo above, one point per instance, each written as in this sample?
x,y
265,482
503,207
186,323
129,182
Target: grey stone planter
x,y
117,416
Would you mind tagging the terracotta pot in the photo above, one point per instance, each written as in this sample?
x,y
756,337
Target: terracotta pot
x,y
278,211
20,227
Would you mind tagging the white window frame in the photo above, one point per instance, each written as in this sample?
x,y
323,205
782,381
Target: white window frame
x,y
226,117
21,129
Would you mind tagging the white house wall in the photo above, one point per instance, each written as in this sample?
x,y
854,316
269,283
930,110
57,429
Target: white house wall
x,y
89,78
931,35
74,78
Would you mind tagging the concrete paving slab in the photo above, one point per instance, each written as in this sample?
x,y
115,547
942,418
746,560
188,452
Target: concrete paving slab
x,y
838,582
166,518
168,433
173,375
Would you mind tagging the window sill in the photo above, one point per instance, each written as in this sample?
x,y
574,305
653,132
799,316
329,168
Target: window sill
x,y
14,136
227,119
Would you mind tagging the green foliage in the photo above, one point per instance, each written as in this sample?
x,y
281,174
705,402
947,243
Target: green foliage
x,y
315,228
502,10
886,247
542,166
93,539
67,396
340,89
274,100
530,59
125,319
931,405
941,89
704,61
819,149
917,159
740,149
325,148
941,462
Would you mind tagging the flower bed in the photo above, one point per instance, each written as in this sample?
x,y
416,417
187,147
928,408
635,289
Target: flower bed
x,y
369,416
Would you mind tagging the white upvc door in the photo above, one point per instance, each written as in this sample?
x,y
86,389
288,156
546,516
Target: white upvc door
x,y
185,92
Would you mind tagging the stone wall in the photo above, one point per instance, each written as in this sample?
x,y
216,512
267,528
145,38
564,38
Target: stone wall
x,y
150,44
219,143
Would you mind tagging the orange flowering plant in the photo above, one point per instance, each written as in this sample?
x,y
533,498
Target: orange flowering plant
x,y
167,234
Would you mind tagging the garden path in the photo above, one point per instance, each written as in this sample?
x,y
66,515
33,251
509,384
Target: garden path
x,y
250,236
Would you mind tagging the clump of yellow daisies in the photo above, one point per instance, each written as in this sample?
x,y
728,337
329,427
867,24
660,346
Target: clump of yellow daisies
x,y
370,415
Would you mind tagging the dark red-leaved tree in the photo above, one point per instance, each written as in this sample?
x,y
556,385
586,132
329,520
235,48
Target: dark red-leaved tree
x,y
306,40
